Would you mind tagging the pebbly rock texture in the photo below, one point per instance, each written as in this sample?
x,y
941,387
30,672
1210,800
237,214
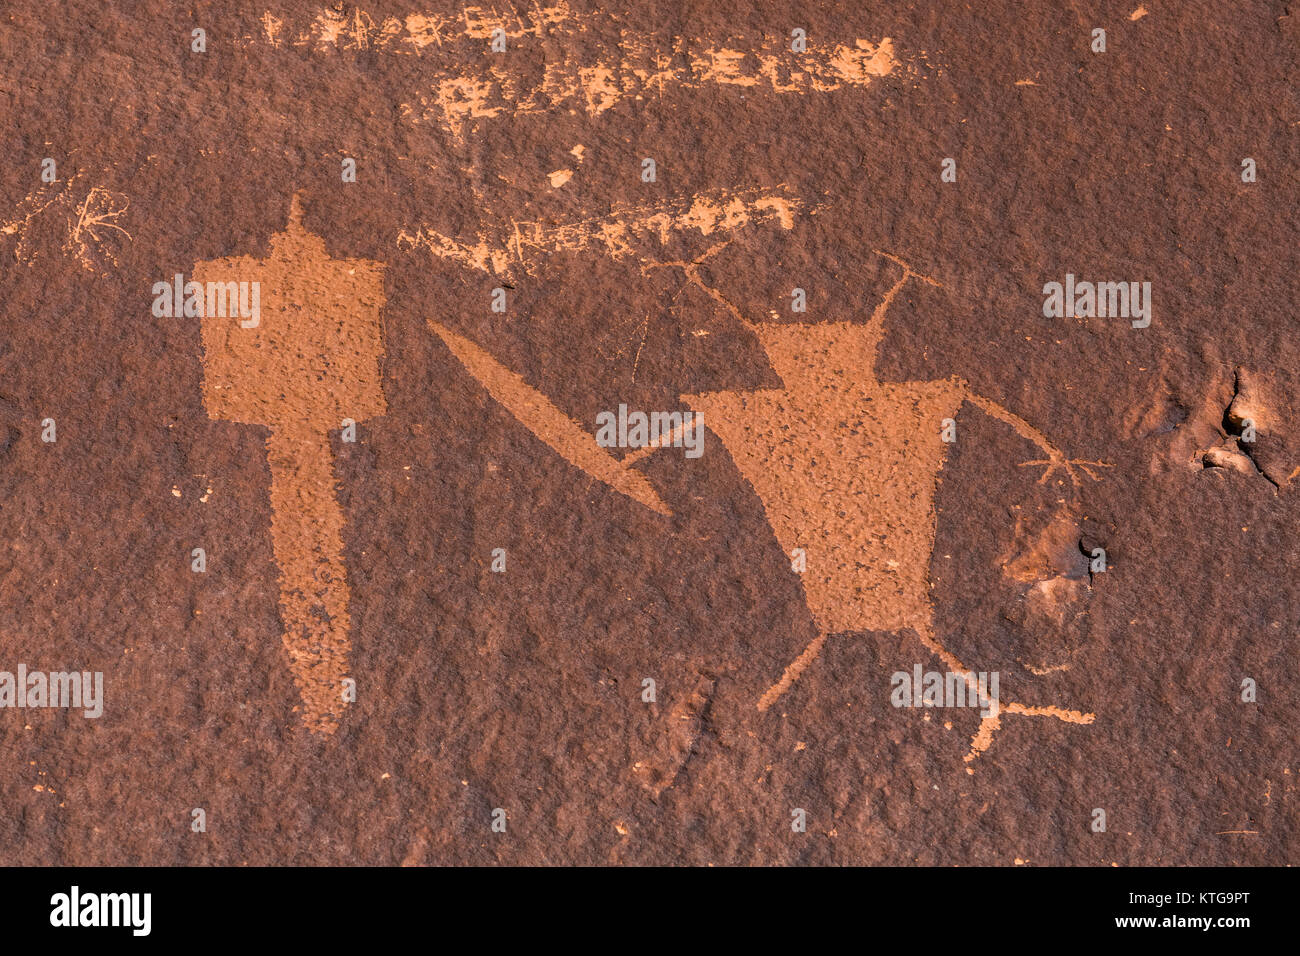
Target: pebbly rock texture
x,y
440,593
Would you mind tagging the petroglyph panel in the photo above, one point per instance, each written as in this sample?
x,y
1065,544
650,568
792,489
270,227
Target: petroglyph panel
x,y
567,433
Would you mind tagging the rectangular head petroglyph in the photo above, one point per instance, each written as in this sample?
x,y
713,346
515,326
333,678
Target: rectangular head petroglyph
x,y
313,357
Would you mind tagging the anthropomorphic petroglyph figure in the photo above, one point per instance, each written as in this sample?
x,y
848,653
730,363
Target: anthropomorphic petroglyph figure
x,y
846,467
312,360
